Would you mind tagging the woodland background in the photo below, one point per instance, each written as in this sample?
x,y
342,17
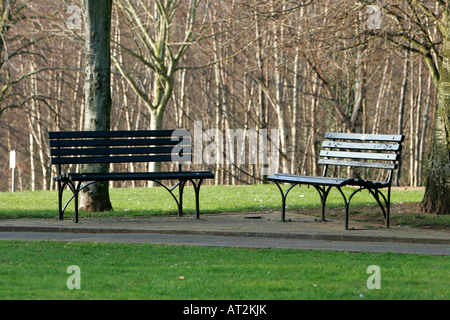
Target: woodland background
x,y
303,67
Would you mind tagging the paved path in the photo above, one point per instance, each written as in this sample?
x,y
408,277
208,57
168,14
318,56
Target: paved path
x,y
234,230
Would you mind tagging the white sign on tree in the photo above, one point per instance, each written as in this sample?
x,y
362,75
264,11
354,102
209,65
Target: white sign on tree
x,y
12,165
12,159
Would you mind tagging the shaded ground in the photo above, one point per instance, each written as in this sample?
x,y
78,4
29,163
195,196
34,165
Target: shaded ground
x,y
402,216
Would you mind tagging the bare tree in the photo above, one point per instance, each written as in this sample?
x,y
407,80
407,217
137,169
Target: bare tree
x,y
17,41
410,25
156,46
97,16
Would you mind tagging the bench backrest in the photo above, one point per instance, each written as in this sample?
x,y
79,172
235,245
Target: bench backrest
x,y
81,147
378,151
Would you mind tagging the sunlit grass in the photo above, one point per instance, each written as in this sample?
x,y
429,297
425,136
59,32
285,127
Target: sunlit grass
x,y
213,199
38,270
142,202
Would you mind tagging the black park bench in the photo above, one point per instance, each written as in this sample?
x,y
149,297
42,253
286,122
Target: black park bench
x,y
70,149
366,153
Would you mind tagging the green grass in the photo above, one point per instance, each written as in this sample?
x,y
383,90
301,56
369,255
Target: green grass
x,y
213,199
129,202
38,270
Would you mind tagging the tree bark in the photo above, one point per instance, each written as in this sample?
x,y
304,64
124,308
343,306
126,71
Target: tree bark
x,y
156,123
97,16
401,113
425,119
437,184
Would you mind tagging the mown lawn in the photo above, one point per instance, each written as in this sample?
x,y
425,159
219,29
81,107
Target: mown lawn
x,y
129,202
38,270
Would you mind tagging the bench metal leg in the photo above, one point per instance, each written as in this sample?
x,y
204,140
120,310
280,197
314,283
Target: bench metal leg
x,y
61,186
179,201
181,184
376,193
323,192
283,199
60,195
387,203
76,189
76,204
347,204
180,198
197,196
388,209
76,195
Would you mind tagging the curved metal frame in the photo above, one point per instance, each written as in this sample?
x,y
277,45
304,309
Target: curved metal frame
x,y
75,188
283,199
324,191
375,192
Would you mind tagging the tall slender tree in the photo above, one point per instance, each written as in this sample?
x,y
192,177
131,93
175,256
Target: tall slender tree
x,y
97,18
153,32
437,183
410,24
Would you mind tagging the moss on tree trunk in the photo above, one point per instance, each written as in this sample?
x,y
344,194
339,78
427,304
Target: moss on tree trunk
x,y
97,18
437,192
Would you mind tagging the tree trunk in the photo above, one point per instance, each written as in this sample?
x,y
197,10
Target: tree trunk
x,y
279,101
295,107
437,191
313,119
401,113
381,92
156,123
423,132
32,166
97,16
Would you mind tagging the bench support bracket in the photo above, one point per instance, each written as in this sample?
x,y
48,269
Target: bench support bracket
x,y
77,187
378,196
324,192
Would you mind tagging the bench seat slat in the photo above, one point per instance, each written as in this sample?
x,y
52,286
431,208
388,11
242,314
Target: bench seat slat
x,y
115,159
307,179
359,155
116,176
326,181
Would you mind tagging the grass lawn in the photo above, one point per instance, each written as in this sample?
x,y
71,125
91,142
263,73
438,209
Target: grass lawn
x,y
38,270
217,199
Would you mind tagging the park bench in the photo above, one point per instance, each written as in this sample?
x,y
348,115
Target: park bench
x,y
68,150
364,152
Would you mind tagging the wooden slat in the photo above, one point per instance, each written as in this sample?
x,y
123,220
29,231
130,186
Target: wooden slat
x,y
290,178
364,164
117,142
325,181
117,151
114,176
115,159
361,146
364,137
359,155
116,134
